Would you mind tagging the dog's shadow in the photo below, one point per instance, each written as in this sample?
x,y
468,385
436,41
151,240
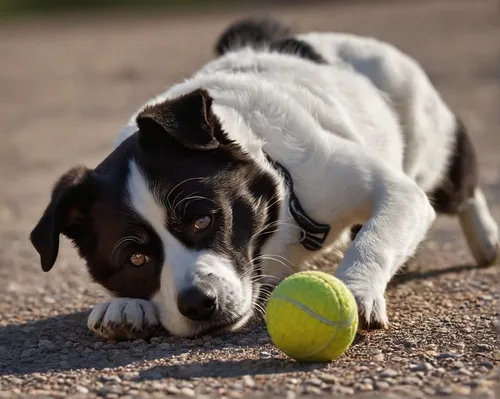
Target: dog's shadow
x,y
63,342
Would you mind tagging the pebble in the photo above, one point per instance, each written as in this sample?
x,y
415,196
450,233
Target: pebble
x,y
313,381
445,391
248,381
313,389
410,380
461,390
365,387
64,364
488,365
81,389
409,343
421,367
328,378
172,390
388,373
382,385
378,358
447,355
187,392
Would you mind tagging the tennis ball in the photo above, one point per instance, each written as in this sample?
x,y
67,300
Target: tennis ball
x,y
312,316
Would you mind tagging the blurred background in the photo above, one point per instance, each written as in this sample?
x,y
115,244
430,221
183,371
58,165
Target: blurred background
x,y
73,71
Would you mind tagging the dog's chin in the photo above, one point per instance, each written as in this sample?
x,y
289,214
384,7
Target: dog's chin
x,y
217,327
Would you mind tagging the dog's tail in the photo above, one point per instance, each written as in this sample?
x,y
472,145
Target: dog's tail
x,y
252,32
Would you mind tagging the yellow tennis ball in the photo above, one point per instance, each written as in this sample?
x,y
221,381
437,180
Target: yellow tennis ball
x,y
312,316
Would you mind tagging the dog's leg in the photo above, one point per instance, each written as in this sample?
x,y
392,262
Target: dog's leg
x,y
459,194
396,215
124,318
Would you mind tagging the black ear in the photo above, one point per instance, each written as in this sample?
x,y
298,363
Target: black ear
x,y
188,119
72,197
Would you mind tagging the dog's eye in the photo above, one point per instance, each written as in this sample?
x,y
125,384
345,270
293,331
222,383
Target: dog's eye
x,y
138,260
202,223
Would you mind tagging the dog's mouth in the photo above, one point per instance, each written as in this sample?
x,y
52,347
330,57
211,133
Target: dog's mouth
x,y
224,324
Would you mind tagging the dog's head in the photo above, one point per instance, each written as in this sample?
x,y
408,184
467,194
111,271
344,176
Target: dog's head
x,y
177,213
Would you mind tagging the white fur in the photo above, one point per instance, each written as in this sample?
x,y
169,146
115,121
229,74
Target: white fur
x,y
182,267
363,139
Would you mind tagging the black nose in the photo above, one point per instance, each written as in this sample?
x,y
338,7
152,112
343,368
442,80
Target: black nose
x,y
197,303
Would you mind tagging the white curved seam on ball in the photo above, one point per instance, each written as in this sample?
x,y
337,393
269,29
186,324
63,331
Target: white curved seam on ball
x,y
310,312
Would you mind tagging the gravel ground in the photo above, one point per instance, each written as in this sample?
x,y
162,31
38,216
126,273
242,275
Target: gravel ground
x,y
67,87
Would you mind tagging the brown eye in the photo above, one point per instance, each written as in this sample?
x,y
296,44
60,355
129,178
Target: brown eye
x,y
138,259
202,223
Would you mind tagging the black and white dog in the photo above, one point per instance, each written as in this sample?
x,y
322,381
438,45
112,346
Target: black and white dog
x,y
282,147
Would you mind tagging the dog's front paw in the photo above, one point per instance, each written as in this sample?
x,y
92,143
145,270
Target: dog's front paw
x,y
124,319
371,308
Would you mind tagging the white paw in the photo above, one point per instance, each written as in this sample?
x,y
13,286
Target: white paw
x,y
480,229
371,307
124,318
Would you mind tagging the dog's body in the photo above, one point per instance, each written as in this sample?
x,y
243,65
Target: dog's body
x,y
363,134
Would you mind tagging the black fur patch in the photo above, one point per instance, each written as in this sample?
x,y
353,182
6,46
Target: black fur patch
x,y
250,32
462,177
297,47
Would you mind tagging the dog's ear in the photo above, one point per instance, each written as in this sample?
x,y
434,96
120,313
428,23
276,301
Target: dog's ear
x,y
71,200
188,119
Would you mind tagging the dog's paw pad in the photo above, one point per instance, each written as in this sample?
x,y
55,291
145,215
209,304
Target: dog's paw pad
x,y
124,319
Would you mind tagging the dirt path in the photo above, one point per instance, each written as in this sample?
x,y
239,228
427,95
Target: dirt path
x,y
67,86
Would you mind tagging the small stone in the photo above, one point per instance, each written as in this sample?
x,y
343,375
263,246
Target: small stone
x,y
431,353
409,343
488,365
429,391
421,367
343,390
64,364
447,355
328,378
366,387
49,299
172,390
388,373
3,350
378,358
164,346
463,371
264,353
382,385
313,389
290,395
313,381
445,391
411,381
483,348
111,378
187,392
81,389
248,381
158,386
461,390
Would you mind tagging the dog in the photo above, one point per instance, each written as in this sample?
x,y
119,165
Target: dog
x,y
282,147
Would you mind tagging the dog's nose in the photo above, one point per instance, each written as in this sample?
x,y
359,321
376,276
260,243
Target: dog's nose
x,y
197,303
